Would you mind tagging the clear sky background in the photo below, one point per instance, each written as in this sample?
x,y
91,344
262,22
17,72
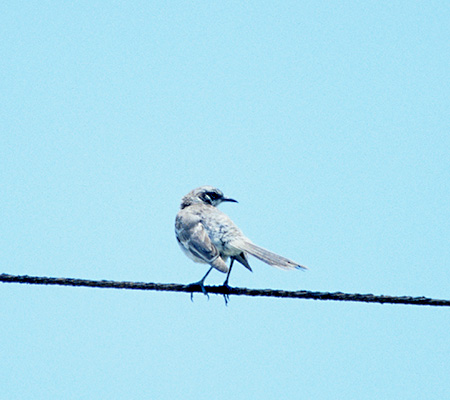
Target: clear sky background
x,y
328,121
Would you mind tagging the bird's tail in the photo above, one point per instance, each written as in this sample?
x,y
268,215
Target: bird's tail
x,y
268,257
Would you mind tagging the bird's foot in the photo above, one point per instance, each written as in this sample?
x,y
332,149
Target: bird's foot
x,y
226,288
197,285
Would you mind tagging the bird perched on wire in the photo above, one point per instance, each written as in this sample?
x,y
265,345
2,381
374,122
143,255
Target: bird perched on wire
x,y
207,235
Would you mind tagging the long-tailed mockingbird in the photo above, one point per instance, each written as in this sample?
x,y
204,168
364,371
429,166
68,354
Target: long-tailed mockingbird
x,y
207,235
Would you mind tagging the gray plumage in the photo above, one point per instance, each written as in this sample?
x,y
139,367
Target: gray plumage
x,y
207,235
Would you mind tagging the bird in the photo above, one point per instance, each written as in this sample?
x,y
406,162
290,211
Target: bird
x,y
209,236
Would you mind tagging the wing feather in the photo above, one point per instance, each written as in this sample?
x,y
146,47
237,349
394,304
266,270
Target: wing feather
x,y
194,239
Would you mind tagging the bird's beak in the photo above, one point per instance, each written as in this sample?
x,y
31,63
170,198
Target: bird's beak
x,y
230,200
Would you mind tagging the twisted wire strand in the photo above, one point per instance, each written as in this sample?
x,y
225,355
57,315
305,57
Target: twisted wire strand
x,y
174,287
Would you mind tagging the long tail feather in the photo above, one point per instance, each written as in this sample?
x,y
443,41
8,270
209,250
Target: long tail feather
x,y
269,257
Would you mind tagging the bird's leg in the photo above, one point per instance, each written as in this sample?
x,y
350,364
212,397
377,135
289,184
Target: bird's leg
x,y
225,284
201,284
228,274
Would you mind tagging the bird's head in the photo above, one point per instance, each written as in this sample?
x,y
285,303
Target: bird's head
x,y
206,195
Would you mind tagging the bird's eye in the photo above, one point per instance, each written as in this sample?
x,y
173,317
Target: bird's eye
x,y
213,195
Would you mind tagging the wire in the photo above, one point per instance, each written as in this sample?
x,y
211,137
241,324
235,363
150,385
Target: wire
x,y
173,287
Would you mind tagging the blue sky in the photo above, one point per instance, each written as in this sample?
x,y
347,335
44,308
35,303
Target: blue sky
x,y
329,122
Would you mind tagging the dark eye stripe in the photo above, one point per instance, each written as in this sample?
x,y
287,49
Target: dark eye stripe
x,y
213,195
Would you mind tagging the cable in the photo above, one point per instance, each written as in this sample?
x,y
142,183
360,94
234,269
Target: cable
x,y
173,287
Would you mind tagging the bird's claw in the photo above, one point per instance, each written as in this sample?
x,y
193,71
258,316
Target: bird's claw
x,y
200,284
197,285
226,296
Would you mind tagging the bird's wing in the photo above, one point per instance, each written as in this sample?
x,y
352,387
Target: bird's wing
x,y
200,244
196,240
